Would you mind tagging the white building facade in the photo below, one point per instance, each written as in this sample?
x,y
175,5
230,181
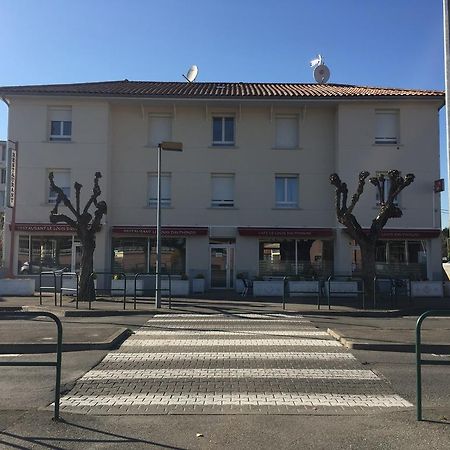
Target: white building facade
x,y
248,195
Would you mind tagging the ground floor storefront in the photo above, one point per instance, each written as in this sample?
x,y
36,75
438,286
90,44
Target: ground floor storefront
x,y
222,255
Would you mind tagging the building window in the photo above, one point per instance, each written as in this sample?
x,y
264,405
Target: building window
x,y
61,178
223,130
3,152
2,199
135,254
60,124
160,129
286,132
286,191
387,126
222,190
166,190
3,176
48,253
387,187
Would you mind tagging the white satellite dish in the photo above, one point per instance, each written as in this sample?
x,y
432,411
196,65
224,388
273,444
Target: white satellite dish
x,y
321,73
191,74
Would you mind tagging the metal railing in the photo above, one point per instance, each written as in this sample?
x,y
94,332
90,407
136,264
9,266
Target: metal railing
x,y
343,292
394,289
57,363
47,288
72,275
419,361
142,290
287,292
120,275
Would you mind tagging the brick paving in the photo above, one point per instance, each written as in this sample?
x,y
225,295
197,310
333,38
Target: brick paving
x,y
238,364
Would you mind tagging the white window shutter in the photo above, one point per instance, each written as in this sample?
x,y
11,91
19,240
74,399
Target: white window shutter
x,y
286,132
386,127
222,190
160,129
62,114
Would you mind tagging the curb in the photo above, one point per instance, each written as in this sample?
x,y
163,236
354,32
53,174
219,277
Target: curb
x,y
50,347
388,346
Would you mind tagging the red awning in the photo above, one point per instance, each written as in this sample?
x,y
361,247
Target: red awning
x,y
286,232
44,227
165,231
408,233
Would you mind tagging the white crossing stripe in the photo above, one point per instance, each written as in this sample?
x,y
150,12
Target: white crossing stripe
x,y
227,316
238,398
211,356
132,342
230,333
223,319
163,374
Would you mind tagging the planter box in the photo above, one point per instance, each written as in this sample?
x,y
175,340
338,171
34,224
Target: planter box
x,y
427,289
119,284
17,286
269,288
304,288
198,285
178,287
342,288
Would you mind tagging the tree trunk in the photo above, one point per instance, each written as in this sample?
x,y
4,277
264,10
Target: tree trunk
x,y
86,290
368,270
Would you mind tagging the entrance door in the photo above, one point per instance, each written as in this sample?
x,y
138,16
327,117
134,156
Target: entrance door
x,y
222,266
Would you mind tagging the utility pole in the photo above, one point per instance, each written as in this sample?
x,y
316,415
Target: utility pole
x,y
446,9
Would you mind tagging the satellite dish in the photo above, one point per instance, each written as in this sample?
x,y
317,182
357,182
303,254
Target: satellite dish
x,y
321,73
191,74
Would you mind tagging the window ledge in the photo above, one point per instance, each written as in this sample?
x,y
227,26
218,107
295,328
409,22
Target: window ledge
x,y
287,148
154,207
224,146
286,208
388,145
222,208
56,141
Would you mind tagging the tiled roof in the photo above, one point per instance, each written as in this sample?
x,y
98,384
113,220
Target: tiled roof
x,y
155,89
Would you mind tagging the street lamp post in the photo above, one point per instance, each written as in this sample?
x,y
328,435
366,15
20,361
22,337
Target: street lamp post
x,y
174,147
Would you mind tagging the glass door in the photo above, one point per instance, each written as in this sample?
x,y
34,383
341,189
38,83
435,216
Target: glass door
x,y
222,266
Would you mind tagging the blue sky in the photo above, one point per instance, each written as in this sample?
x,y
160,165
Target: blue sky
x,y
393,43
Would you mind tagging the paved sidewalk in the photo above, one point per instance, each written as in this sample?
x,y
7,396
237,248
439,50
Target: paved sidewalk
x,y
390,330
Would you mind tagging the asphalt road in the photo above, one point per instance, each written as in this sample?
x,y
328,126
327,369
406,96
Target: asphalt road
x,y
25,422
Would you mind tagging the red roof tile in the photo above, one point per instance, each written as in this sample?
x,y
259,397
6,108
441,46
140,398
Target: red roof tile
x,y
155,89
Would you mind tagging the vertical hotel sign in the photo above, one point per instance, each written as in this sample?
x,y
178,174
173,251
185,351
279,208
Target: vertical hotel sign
x,y
11,174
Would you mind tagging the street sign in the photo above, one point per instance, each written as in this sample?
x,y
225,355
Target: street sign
x,y
11,174
439,185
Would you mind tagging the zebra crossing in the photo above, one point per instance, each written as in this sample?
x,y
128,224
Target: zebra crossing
x,y
230,364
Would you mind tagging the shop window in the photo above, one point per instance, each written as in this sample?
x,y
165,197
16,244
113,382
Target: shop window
x,y
159,129
286,132
44,253
60,122
130,255
295,257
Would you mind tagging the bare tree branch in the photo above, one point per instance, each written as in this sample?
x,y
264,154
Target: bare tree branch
x,y
359,191
62,197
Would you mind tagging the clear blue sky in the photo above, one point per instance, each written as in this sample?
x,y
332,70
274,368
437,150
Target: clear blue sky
x,y
393,43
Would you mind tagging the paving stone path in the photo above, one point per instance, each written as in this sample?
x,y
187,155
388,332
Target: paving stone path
x,y
230,364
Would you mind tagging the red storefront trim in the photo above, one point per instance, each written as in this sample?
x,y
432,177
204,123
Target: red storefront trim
x,y
44,227
408,234
286,232
165,231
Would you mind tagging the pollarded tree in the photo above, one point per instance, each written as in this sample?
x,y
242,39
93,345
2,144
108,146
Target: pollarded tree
x,y
86,226
389,187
